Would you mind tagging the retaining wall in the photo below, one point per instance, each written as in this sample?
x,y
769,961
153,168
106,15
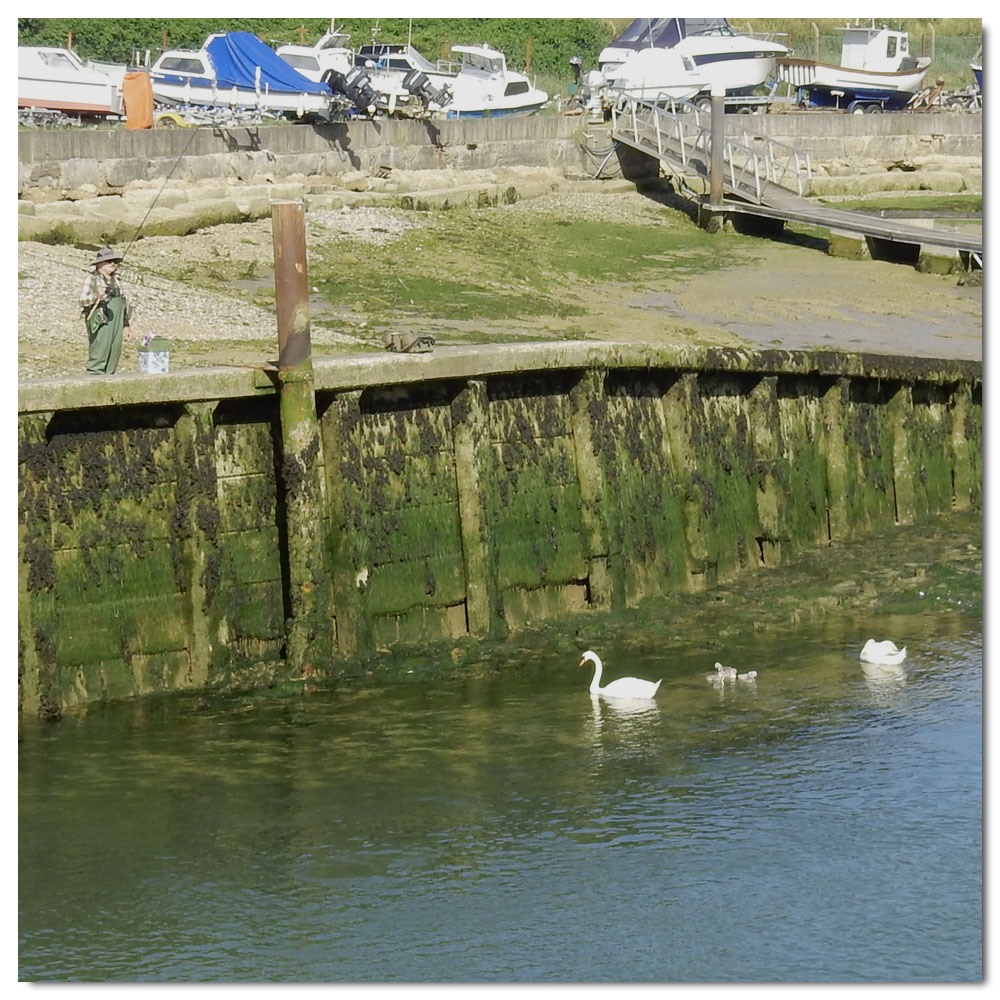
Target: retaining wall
x,y
466,493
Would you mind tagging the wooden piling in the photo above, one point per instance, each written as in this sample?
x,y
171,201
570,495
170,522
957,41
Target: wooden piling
x,y
310,619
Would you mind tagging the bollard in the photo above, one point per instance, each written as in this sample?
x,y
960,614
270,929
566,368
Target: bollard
x,y
718,142
309,626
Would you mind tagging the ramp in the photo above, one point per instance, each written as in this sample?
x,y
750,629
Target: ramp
x,y
761,177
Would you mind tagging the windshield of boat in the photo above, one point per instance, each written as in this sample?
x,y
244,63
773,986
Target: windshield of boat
x,y
177,64
706,26
58,60
299,62
483,63
389,56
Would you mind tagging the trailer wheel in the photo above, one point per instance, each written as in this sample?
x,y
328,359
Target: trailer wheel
x,y
704,104
855,108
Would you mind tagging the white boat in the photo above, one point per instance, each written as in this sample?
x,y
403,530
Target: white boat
x,y
331,52
657,76
57,79
237,70
738,63
876,73
482,86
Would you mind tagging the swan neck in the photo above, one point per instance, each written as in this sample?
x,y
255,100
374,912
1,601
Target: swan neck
x,y
595,684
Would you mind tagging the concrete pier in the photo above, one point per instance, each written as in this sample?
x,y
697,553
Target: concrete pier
x,y
467,492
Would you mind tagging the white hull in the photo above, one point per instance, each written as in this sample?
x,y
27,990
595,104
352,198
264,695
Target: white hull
x,y
235,97
56,79
737,63
812,74
841,86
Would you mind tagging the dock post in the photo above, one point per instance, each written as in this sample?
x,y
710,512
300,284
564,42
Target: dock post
x,y
716,167
309,626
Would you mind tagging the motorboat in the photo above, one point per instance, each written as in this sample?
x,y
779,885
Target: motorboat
x,y
58,80
655,76
876,73
480,86
331,52
735,62
237,70
484,87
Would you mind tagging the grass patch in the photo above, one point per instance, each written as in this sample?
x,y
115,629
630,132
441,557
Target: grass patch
x,y
946,204
492,264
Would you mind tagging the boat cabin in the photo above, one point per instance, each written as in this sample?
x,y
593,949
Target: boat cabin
x,y
876,49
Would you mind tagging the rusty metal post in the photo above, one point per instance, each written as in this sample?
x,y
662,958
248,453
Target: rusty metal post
x,y
718,143
309,628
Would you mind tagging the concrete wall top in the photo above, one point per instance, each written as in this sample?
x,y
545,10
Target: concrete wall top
x,y
40,146
365,370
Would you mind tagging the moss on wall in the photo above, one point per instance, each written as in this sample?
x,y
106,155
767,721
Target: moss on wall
x,y
153,538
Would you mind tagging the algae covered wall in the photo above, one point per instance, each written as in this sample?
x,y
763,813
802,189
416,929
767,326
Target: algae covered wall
x,y
468,492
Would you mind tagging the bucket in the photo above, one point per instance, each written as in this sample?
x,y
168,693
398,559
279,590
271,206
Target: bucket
x,y
154,356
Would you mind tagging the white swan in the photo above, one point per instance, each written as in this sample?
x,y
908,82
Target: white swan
x,y
726,673
750,677
624,687
885,652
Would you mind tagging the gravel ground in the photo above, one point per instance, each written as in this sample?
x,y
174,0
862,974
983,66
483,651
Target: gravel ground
x,y
51,339
790,296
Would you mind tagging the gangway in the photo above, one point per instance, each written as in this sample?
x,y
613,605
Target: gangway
x,y
761,176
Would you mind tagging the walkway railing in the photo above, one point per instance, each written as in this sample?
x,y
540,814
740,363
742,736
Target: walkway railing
x,y
679,133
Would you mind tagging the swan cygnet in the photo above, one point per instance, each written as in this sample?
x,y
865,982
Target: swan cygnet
x,y
726,673
750,677
624,687
885,652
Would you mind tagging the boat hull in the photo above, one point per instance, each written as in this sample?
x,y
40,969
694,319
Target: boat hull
x,y
820,80
526,109
179,91
740,73
64,84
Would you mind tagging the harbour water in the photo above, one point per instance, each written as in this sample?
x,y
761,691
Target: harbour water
x,y
823,824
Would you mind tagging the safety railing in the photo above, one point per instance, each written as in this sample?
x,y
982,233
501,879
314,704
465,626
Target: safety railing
x,y
680,132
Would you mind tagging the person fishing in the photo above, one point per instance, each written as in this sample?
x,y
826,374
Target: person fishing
x,y
106,313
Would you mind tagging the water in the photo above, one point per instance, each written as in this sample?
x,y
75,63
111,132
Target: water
x,y
822,825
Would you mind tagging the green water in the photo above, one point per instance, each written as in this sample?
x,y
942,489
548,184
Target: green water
x,y
823,824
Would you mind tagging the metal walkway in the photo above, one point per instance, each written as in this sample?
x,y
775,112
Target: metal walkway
x,y
761,175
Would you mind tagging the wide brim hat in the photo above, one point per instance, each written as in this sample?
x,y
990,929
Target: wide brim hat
x,y
105,254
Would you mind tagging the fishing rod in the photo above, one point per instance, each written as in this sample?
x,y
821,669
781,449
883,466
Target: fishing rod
x,y
152,204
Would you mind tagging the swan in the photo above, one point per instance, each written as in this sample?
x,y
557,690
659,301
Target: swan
x,y
750,677
624,687
726,673
885,652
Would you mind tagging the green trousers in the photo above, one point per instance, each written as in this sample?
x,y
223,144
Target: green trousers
x,y
106,337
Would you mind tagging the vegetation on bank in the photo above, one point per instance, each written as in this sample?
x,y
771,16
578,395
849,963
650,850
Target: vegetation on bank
x,y
541,45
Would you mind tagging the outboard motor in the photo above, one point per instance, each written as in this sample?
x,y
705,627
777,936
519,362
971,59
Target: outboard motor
x,y
356,86
360,90
417,82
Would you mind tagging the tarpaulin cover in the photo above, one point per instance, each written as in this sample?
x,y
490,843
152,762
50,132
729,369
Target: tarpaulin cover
x,y
236,57
137,92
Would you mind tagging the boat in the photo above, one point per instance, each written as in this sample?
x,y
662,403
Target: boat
x,y
656,76
58,80
237,70
876,73
331,52
482,86
735,62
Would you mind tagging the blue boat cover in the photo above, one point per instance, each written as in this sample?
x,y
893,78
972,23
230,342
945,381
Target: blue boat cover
x,y
237,55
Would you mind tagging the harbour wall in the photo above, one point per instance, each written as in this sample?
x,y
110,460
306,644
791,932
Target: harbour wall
x,y
465,494
99,186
